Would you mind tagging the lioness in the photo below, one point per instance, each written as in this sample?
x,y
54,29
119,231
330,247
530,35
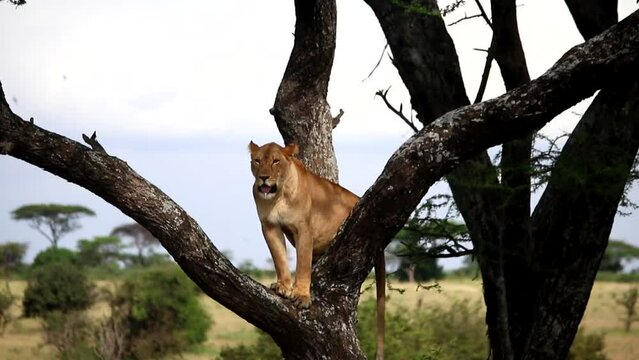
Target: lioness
x,y
308,210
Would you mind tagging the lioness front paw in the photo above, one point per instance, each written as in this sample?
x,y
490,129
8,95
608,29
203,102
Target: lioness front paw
x,y
282,289
301,298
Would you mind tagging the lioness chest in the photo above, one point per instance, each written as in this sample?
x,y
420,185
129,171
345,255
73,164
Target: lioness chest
x,y
295,218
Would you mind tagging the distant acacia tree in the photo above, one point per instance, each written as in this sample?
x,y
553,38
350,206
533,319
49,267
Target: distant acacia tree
x,y
616,253
140,238
100,251
52,220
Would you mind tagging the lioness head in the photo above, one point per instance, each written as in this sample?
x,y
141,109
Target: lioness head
x,y
270,164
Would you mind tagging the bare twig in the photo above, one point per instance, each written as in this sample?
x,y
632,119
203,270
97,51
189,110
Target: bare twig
x,y
93,142
484,76
466,17
337,118
378,62
483,13
409,122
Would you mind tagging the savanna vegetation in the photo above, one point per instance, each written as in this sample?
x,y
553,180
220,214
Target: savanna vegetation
x,y
455,307
64,305
537,265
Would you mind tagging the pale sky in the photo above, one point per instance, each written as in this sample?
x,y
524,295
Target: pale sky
x,y
178,89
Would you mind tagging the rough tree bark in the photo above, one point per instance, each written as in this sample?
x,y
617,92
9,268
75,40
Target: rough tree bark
x,y
301,111
497,213
327,329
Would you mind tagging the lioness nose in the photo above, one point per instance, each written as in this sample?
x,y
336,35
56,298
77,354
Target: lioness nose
x,y
264,178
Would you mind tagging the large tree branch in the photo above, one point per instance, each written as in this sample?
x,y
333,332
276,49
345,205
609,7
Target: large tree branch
x,y
409,28
113,180
577,211
593,16
462,133
511,314
578,207
301,111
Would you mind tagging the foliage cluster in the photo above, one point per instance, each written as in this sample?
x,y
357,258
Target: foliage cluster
x,y
456,331
616,253
52,220
57,286
160,310
11,255
627,300
54,256
263,349
70,334
587,347
154,312
6,301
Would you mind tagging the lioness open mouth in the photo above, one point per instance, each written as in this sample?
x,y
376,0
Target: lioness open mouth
x,y
266,189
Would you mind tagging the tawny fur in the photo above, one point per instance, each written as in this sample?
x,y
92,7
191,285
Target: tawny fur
x,y
308,210
304,207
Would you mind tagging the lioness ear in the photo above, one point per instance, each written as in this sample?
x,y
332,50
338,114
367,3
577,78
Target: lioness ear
x,y
291,150
253,147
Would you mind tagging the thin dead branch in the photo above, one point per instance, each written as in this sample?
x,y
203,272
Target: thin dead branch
x,y
399,113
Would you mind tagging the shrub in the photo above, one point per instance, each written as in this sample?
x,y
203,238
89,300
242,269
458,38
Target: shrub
x,y
57,287
264,349
6,301
110,338
69,333
587,347
452,332
457,332
11,255
627,300
54,255
161,311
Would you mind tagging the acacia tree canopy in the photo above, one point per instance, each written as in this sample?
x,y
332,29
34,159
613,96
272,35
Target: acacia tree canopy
x,y
56,218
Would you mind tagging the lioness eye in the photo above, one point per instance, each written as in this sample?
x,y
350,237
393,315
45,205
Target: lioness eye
x,y
256,161
275,162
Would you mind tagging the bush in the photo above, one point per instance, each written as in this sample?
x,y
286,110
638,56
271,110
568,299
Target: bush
x,y
11,254
161,311
264,349
457,332
452,332
587,347
6,301
627,300
57,287
54,255
69,334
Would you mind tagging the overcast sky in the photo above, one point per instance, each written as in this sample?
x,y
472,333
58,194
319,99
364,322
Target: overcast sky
x,y
178,89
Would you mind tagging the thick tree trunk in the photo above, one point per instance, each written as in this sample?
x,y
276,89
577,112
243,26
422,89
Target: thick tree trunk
x,y
515,239
327,329
497,216
593,16
577,209
572,221
424,53
301,111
